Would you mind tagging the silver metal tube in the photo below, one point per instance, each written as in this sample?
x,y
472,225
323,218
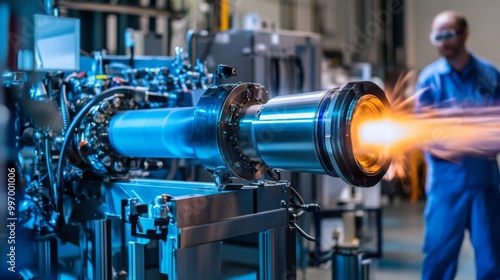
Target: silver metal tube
x,y
157,133
102,254
136,261
285,132
272,265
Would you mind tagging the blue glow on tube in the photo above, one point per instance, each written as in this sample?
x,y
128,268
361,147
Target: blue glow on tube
x,y
158,133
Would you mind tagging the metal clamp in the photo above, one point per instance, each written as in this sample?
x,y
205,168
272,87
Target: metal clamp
x,y
223,72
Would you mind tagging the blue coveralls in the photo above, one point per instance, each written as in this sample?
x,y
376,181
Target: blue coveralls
x,y
465,194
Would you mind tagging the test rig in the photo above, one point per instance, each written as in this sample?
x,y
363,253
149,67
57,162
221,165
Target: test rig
x,y
88,143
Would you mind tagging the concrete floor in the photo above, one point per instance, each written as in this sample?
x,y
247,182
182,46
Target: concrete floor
x,y
403,238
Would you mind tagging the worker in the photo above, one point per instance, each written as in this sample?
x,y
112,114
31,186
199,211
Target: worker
x,y
462,194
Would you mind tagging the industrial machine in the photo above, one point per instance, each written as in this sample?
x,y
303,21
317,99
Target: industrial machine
x,y
89,142
287,62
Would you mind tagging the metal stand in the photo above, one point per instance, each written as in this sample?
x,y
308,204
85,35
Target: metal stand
x,y
136,260
95,243
272,257
291,256
201,217
47,258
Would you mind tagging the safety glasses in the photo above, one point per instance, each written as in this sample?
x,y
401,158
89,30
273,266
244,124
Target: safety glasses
x,y
445,35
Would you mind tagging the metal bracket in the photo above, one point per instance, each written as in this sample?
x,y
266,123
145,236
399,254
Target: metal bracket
x,y
223,72
133,219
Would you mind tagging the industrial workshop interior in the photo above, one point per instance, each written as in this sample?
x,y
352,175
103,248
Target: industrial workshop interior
x,y
240,140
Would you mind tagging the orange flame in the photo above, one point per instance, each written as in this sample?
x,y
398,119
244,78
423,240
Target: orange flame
x,y
446,133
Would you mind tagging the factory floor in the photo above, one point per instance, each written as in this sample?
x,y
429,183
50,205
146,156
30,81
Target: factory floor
x,y
402,242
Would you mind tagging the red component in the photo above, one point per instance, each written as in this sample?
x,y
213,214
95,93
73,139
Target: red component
x,y
118,80
81,74
83,143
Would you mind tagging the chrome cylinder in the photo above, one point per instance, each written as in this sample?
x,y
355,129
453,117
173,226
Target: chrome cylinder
x,y
236,131
285,132
155,133
316,133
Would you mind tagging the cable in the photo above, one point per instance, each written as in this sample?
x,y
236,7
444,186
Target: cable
x,y
303,233
301,200
69,133
296,193
50,171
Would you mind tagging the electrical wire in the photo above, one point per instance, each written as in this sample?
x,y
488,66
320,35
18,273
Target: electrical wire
x,y
301,201
303,233
296,193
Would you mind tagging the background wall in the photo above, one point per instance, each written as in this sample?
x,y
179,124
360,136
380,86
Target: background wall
x,y
484,25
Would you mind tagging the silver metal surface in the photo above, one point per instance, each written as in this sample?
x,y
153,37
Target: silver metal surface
x,y
272,260
285,132
101,249
96,250
217,130
195,203
201,217
196,235
200,262
136,260
158,133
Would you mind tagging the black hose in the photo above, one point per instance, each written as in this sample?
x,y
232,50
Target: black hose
x,y
71,128
301,201
303,233
296,193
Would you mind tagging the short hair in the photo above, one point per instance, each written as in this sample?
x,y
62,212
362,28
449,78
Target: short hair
x,y
462,22
460,18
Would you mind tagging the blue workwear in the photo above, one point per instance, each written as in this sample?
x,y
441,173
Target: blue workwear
x,y
463,194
